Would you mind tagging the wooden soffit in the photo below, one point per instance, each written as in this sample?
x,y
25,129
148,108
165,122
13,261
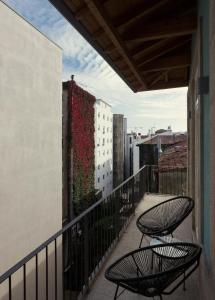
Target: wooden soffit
x,y
147,42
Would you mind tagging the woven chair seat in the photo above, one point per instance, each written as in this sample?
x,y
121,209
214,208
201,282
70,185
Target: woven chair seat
x,y
151,270
164,218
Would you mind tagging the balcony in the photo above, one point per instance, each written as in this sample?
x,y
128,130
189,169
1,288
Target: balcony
x,y
71,263
103,289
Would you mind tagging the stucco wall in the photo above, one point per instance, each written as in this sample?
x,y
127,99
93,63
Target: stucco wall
x,y
30,138
118,150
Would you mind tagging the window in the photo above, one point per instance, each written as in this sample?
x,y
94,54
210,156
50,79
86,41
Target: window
x,y
103,176
103,129
98,167
107,174
107,151
99,115
107,129
103,142
107,118
103,188
103,152
103,165
103,117
98,179
99,127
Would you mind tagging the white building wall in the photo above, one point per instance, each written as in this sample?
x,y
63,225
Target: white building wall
x,y
132,159
30,139
103,147
136,155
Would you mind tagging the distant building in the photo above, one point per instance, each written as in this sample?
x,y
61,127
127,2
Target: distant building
x,y
103,147
132,157
78,149
172,166
118,149
152,146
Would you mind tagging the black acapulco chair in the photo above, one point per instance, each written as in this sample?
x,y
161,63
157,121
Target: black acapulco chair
x,y
154,270
163,218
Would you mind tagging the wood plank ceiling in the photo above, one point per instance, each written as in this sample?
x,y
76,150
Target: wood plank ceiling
x,y
147,42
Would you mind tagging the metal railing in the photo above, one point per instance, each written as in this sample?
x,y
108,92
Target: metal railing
x,y
64,266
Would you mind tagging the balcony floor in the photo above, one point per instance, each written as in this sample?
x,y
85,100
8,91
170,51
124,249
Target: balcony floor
x,y
104,290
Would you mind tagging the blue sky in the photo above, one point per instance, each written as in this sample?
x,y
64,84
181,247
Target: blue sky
x,y
143,110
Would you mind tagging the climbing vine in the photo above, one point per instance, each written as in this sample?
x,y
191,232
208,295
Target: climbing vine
x,y
83,144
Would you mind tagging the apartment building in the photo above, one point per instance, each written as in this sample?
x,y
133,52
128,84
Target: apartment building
x,y
103,147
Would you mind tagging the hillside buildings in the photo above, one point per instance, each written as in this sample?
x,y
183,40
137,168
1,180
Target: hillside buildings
x,y
103,147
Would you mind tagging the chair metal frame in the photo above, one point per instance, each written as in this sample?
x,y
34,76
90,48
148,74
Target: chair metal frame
x,y
177,274
169,228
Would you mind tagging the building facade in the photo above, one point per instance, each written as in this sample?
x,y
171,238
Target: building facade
x,y
103,147
118,149
31,138
78,149
132,156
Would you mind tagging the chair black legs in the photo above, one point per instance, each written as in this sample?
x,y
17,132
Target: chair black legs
x,y
141,241
116,293
115,296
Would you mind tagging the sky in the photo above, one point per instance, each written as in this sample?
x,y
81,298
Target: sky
x,y
144,110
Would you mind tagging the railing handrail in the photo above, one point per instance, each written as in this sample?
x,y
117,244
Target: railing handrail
x,y
32,254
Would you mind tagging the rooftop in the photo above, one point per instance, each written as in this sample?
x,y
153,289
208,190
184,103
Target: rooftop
x,y
167,138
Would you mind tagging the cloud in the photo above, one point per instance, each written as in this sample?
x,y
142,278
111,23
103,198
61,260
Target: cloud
x,y
146,109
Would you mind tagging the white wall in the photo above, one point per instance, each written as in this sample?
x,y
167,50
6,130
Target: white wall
x,y
136,155
103,147
30,138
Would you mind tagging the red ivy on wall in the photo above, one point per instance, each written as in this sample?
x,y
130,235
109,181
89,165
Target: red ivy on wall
x,y
83,144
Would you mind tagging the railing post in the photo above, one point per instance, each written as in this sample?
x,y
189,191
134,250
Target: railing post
x,y
86,252
117,212
133,194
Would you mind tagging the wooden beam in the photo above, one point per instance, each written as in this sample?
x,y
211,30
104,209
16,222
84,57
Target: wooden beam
x,y
110,48
141,12
160,76
161,48
166,63
97,34
164,29
81,12
172,83
101,16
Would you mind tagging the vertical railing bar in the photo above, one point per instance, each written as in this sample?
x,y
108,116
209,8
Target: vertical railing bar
x,y
47,275
10,290
56,275
36,269
24,281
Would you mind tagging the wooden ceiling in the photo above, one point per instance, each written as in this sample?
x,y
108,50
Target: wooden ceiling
x,y
147,42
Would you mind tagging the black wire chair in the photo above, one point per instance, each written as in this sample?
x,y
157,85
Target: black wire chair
x,y
152,270
163,218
